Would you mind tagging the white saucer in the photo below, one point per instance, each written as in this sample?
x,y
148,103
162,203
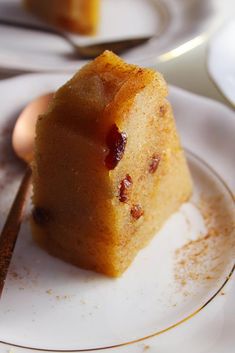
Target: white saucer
x,y
221,59
172,22
50,305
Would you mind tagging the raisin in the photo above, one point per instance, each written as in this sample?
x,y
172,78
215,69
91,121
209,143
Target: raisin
x,y
124,185
40,216
162,110
137,211
116,142
154,163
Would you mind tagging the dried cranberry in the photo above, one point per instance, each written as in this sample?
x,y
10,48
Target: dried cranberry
x,y
116,142
154,163
137,211
124,185
40,216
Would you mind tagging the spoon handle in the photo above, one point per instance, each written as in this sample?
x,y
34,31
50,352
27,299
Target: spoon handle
x,y
12,226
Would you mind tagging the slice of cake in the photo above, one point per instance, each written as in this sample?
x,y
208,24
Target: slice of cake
x,y
79,16
109,168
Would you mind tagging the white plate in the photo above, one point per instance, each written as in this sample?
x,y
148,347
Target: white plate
x,y
173,22
48,304
221,59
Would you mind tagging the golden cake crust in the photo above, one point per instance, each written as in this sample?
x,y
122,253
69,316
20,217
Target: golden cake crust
x,y
109,168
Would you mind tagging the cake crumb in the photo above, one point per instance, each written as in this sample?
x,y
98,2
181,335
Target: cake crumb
x,y
15,275
146,347
27,270
49,291
62,297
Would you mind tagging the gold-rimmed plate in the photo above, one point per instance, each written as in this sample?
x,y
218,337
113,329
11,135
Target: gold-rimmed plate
x,y
49,305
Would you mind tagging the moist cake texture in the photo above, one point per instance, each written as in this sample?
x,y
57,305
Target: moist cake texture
x,y
79,16
109,168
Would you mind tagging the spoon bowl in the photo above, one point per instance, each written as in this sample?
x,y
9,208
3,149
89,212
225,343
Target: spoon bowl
x,y
24,130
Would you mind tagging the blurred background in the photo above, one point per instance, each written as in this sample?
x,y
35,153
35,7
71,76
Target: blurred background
x,y
174,36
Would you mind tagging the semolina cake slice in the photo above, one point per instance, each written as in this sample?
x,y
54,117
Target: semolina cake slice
x,y
79,16
109,168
